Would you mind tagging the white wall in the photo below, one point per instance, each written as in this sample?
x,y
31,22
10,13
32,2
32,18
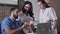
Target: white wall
x,y
35,9
9,2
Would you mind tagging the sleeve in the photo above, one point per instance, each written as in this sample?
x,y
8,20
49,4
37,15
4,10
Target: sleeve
x,y
19,17
52,14
31,19
5,25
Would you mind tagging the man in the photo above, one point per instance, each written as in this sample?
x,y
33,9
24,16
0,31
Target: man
x,y
9,25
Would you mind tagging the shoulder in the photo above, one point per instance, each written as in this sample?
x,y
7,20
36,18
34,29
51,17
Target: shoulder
x,y
21,13
50,8
5,20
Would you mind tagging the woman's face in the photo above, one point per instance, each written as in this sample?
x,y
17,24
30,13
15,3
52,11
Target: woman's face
x,y
40,4
27,6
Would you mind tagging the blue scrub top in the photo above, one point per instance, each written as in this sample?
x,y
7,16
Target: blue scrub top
x,y
9,23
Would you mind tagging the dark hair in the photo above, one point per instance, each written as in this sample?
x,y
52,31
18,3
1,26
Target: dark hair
x,y
13,8
30,12
44,2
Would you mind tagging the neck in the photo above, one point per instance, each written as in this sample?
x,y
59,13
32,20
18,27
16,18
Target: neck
x,y
13,18
43,8
26,13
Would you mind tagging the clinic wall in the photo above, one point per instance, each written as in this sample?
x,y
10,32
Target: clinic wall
x,y
4,12
5,8
14,2
20,4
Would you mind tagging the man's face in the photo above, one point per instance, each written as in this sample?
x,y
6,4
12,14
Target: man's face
x,y
15,13
26,7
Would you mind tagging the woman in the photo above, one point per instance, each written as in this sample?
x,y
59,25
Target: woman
x,y
26,16
47,14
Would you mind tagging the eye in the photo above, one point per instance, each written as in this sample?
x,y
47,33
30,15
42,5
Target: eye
x,y
27,7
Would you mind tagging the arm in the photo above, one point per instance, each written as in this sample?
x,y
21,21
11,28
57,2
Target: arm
x,y
54,23
53,16
9,31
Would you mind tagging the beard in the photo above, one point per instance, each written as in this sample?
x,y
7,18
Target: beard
x,y
16,17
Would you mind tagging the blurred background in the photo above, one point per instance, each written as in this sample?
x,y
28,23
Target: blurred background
x,y
5,6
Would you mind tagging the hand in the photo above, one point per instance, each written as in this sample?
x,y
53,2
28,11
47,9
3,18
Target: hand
x,y
25,23
54,25
22,26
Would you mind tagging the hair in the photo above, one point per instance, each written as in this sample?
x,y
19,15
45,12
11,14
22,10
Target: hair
x,y
44,2
30,12
13,8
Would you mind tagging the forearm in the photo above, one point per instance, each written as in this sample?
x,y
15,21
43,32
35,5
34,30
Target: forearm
x,y
16,30
8,31
54,23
